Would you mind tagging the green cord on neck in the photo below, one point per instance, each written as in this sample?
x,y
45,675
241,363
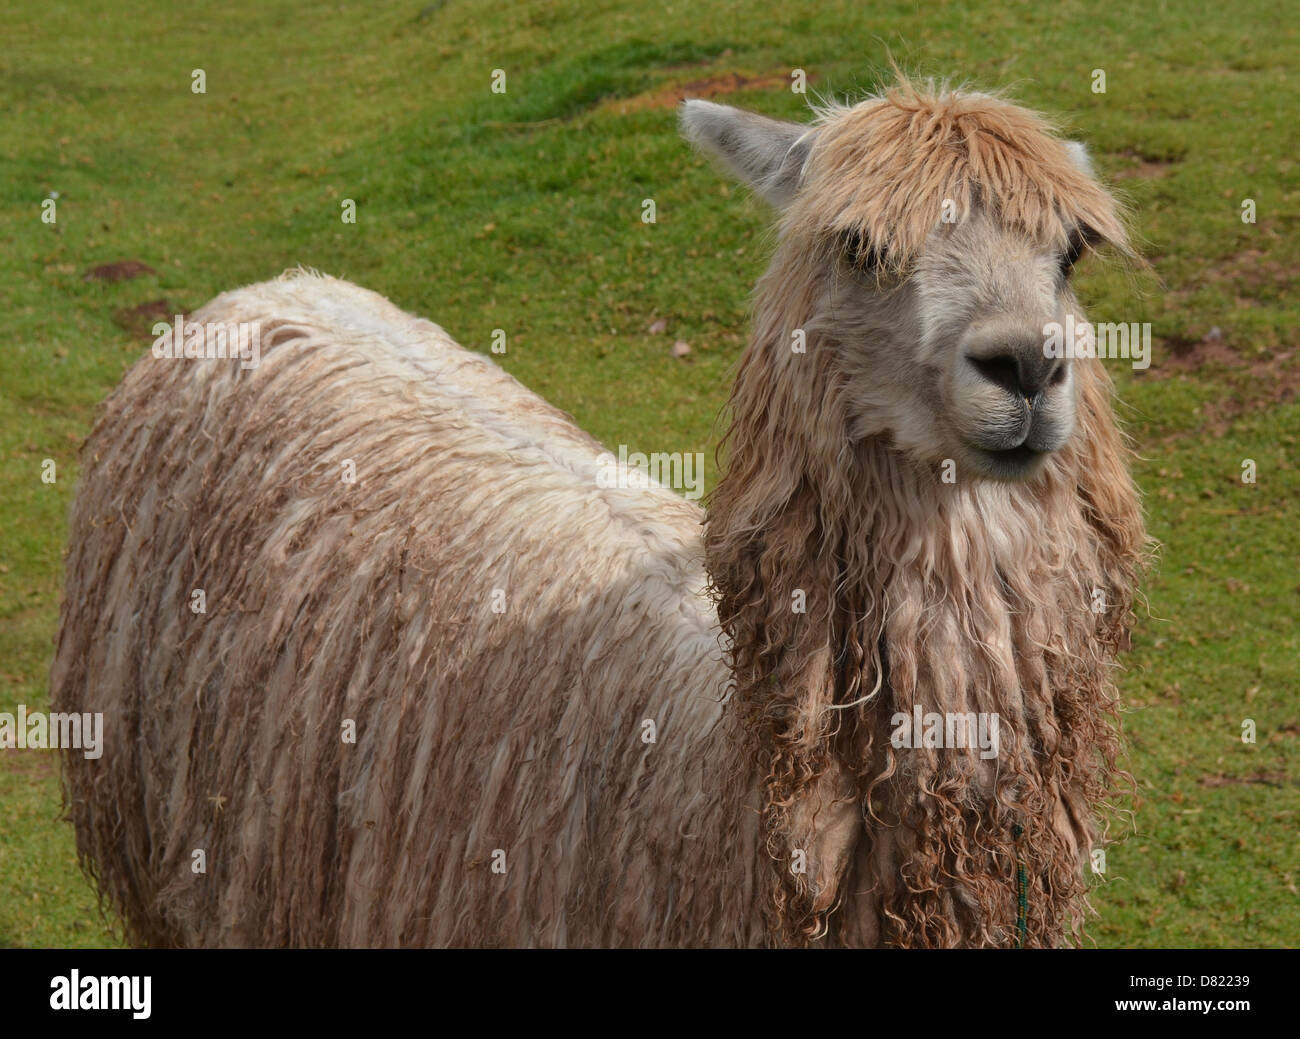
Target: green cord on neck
x,y
1022,896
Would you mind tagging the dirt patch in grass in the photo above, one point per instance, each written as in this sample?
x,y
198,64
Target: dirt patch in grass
x,y
713,86
139,320
1264,385
1143,167
1182,353
1248,385
1254,275
1253,270
1250,382
121,270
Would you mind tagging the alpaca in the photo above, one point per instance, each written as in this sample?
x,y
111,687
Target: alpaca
x,y
383,661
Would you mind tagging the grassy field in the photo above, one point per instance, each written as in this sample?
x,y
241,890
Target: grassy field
x,y
522,211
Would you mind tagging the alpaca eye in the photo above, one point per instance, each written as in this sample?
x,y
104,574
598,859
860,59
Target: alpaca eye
x,y
1081,239
860,253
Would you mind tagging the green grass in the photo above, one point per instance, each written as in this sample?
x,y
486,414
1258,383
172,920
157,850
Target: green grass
x,y
522,212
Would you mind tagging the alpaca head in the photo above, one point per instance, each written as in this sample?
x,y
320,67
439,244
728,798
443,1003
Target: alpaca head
x,y
926,240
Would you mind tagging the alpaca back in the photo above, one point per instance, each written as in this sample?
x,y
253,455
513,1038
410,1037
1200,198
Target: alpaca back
x,y
499,630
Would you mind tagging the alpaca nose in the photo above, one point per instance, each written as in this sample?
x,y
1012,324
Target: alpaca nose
x,y
1024,372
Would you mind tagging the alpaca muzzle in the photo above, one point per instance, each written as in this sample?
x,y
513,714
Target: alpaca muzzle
x,y
1018,405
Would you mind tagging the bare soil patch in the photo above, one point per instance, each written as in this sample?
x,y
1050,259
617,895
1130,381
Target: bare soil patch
x,y
120,270
712,86
139,320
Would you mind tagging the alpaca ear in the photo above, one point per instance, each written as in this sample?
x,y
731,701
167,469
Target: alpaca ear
x,y
766,154
1079,156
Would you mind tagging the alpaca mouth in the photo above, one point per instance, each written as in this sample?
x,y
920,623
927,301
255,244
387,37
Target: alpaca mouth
x,y
1012,462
